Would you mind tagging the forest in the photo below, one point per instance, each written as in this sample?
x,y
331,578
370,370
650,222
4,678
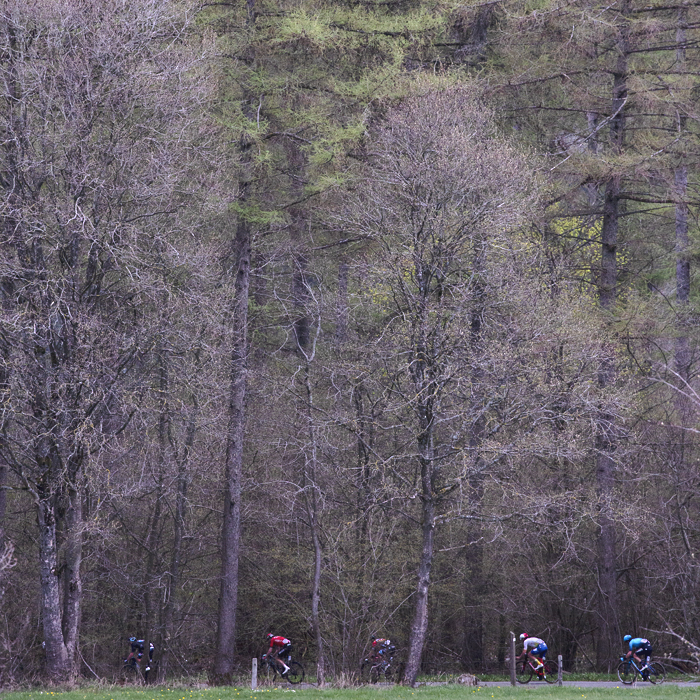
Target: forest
x,y
347,318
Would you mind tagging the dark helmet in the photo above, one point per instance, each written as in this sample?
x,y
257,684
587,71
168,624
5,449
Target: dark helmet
x,y
132,639
627,638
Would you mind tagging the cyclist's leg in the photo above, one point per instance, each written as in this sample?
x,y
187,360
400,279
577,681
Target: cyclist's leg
x,y
541,653
287,651
535,659
282,667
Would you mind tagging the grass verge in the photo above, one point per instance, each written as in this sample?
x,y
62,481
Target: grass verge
x,y
504,692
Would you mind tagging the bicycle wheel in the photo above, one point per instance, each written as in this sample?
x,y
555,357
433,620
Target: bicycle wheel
x,y
657,672
551,671
268,670
132,671
627,672
296,673
523,673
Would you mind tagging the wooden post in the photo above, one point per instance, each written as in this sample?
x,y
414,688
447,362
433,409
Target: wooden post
x,y
512,658
254,678
560,680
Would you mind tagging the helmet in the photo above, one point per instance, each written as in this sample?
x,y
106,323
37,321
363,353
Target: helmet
x,y
269,635
132,639
524,635
627,637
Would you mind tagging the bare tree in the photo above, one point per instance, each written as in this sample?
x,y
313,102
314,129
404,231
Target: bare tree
x,y
94,167
442,191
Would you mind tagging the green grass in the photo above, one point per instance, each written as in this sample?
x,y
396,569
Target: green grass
x,y
504,692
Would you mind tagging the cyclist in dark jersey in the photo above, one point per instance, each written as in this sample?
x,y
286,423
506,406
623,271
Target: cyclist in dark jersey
x,y
138,646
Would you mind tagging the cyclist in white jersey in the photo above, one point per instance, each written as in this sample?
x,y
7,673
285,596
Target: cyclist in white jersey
x,y
534,648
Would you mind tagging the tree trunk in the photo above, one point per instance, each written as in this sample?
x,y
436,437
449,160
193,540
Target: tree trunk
x,y
231,525
475,585
72,578
310,489
153,613
605,446
57,661
605,439
178,534
419,628
231,530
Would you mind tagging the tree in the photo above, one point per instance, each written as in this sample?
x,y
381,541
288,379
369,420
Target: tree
x,y
618,146
94,167
441,195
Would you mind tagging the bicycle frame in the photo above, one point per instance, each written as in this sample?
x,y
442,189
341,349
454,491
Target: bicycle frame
x,y
274,664
547,672
633,661
528,662
296,672
380,664
376,666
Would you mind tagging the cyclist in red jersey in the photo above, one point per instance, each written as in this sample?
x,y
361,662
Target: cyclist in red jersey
x,y
278,645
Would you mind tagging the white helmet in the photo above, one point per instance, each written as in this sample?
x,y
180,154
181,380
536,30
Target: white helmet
x,y
523,636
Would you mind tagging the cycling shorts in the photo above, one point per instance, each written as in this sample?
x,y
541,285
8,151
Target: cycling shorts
x,y
540,650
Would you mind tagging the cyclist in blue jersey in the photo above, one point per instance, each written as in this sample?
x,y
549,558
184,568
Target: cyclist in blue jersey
x,y
638,647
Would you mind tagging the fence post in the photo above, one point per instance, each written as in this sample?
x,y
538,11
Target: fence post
x,y
512,658
560,680
254,678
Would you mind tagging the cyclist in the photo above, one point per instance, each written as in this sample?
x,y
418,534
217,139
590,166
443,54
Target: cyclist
x,y
638,646
138,646
535,649
278,645
381,647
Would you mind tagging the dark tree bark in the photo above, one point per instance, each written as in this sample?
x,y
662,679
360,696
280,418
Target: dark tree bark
x,y
57,658
231,528
426,379
419,628
475,586
152,604
608,612
174,574
310,488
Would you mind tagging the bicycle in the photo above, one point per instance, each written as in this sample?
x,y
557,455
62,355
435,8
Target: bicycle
x,y
548,672
374,667
627,671
294,675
